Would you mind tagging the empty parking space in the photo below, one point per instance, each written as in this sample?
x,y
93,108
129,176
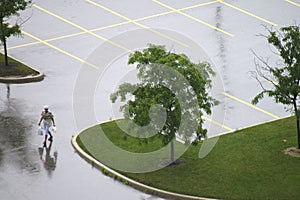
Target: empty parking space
x,y
76,28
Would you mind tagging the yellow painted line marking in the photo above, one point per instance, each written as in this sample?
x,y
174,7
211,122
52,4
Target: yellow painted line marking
x,y
294,3
198,5
154,16
65,36
81,28
217,123
48,40
136,23
250,105
23,45
114,25
193,18
247,13
58,49
110,26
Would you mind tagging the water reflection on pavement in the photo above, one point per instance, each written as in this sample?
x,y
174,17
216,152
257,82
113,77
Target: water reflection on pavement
x,y
17,156
49,159
14,140
28,171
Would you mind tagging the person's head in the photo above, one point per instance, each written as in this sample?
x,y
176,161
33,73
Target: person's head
x,y
46,108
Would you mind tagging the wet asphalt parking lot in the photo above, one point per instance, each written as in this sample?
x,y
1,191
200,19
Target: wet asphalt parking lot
x,y
60,37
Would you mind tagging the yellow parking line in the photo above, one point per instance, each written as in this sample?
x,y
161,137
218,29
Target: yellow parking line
x,y
294,3
217,123
136,23
247,13
23,45
48,40
250,105
155,15
110,26
58,49
114,25
193,18
151,16
65,36
173,11
81,28
198,5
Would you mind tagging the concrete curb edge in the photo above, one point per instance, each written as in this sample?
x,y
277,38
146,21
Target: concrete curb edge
x,y
138,185
21,80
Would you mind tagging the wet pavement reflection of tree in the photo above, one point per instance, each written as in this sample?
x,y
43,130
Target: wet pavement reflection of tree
x,y
13,140
221,44
7,91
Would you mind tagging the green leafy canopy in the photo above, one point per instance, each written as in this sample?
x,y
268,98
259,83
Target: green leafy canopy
x,y
173,82
10,8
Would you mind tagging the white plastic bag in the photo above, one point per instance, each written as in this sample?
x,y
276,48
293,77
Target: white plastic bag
x,y
53,129
40,131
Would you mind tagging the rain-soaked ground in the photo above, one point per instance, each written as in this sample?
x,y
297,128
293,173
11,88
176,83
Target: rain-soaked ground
x,y
60,35
56,172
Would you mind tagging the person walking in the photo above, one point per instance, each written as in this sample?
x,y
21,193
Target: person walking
x,y
48,120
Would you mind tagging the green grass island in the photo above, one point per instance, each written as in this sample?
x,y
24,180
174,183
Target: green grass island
x,y
251,163
17,73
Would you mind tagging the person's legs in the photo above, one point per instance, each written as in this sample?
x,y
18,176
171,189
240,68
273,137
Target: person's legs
x,y
51,137
44,143
46,135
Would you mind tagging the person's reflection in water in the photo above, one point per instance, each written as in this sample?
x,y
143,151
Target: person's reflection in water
x,y
48,160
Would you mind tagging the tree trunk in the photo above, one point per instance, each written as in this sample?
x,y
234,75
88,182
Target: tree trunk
x,y
297,119
172,150
5,51
3,39
298,130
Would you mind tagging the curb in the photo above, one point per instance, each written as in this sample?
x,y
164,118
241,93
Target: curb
x,y
20,80
26,79
128,181
250,126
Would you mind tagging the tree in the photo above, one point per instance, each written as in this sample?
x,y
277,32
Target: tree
x,y
171,82
10,8
285,77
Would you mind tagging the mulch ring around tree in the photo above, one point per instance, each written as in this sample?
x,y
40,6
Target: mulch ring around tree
x,y
292,151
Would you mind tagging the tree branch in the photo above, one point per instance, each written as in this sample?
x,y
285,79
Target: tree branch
x,y
259,69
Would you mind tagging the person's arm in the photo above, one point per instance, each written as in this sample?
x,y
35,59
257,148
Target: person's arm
x,y
52,118
40,120
53,121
